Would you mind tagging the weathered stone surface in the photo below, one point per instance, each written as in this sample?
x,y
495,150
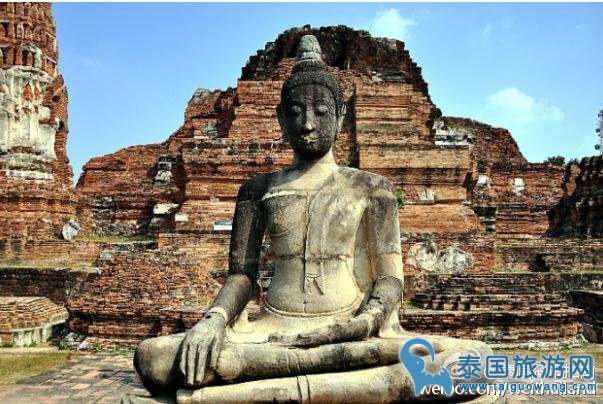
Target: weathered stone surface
x,y
549,254
517,197
164,208
332,306
423,256
149,289
118,191
70,230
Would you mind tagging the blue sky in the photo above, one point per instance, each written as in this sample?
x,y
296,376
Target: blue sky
x,y
535,69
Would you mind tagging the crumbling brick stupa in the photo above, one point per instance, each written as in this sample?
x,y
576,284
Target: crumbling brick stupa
x,y
155,219
34,169
37,198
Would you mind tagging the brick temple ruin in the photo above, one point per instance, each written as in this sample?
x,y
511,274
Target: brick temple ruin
x,y
495,248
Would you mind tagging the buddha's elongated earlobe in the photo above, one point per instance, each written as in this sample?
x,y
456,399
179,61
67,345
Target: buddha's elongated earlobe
x,y
281,120
341,117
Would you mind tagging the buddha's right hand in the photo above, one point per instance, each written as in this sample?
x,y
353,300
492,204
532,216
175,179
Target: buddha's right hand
x,y
200,349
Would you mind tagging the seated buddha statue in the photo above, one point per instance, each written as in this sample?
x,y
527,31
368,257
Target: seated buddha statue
x,y
329,328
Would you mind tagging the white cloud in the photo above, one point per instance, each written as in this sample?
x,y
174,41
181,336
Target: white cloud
x,y
511,107
90,62
499,27
507,23
486,31
390,24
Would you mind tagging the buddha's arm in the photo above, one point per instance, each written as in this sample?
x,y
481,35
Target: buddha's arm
x,y
383,231
202,344
245,243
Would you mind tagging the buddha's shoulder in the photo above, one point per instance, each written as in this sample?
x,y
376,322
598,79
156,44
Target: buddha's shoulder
x,y
365,181
256,187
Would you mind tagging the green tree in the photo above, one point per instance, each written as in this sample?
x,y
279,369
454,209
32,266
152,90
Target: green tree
x,y
558,160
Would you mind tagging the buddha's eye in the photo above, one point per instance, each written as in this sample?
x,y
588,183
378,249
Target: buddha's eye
x,y
295,110
321,109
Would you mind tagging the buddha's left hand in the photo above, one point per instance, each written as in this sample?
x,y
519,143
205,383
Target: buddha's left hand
x,y
355,329
200,349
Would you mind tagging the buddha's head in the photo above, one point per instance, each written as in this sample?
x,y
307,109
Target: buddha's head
x,y
311,110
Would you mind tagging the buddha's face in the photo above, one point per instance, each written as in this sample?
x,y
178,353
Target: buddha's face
x,y
309,121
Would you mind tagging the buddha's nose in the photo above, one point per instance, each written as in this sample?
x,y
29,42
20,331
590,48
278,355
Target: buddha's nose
x,y
309,124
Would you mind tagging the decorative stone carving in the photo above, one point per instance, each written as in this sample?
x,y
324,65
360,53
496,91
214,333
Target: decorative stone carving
x,y
427,195
165,208
451,260
165,164
25,123
451,136
517,186
483,181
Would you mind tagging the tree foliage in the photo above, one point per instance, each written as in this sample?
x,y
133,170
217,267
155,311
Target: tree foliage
x,y
558,160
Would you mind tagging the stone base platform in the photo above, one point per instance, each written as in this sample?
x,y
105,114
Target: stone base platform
x,y
28,320
496,327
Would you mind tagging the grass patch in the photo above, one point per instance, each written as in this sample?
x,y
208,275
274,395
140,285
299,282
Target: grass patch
x,y
596,350
583,271
45,265
511,271
16,366
410,305
117,239
558,272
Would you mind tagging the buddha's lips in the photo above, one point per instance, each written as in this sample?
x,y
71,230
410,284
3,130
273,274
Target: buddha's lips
x,y
310,139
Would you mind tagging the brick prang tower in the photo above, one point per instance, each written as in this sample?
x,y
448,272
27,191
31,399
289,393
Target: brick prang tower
x,y
35,175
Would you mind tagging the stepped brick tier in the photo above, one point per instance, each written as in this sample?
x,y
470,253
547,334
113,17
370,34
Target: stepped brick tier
x,y
188,183
48,252
35,175
57,284
497,308
580,212
549,254
146,289
592,304
28,320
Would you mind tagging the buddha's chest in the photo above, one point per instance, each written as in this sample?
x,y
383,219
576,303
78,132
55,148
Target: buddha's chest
x,y
312,223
